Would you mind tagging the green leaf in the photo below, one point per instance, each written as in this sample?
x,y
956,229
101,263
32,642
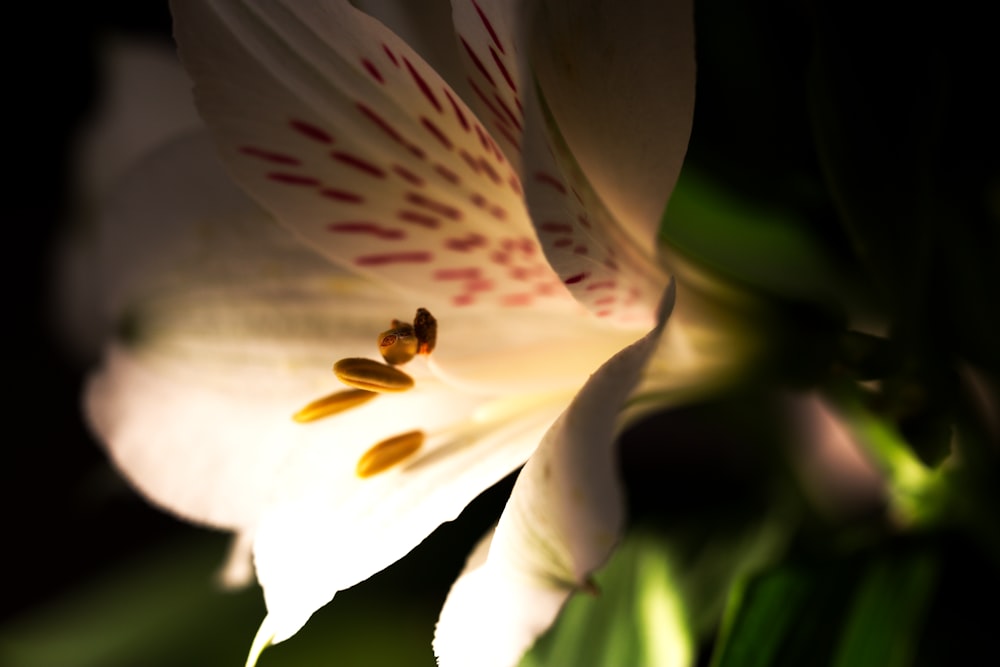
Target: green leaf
x,y
887,613
849,613
636,618
764,246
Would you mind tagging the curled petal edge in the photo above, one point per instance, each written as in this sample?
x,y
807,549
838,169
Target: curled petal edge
x,y
563,520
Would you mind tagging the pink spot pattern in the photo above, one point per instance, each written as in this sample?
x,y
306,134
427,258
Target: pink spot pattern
x,y
408,182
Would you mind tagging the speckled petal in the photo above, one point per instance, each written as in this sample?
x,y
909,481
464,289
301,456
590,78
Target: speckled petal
x,y
344,133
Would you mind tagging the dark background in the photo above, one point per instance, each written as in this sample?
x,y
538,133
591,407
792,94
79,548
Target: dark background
x,y
922,77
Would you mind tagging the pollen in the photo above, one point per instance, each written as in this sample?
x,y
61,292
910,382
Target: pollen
x,y
332,404
389,452
372,376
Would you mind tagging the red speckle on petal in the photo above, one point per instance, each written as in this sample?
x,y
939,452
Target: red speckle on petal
x,y
503,70
463,299
434,205
487,102
604,284
583,220
408,175
370,67
603,313
482,285
342,195
556,227
580,250
388,129
270,156
478,63
551,181
414,257
518,299
358,163
311,131
500,258
469,160
508,113
422,85
490,171
293,179
505,133
572,280
391,55
458,111
604,300
447,174
371,228
436,132
515,185
465,273
417,218
562,243
469,242
482,138
498,212
488,26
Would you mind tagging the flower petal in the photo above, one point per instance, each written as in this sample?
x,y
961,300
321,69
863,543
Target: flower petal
x,y
326,533
564,517
631,67
351,140
606,257
145,102
228,326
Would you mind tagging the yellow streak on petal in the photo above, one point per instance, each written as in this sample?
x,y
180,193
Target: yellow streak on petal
x,y
332,404
371,375
389,452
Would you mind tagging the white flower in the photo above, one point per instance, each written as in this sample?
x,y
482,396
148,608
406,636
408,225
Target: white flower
x,y
518,202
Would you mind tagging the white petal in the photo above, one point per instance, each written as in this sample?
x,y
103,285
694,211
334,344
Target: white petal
x,y
329,532
230,326
618,79
145,101
596,254
344,133
564,517
426,28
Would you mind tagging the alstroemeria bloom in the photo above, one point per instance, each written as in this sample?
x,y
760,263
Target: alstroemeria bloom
x,y
519,203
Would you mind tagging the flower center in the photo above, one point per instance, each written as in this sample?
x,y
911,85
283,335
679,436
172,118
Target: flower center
x,y
369,378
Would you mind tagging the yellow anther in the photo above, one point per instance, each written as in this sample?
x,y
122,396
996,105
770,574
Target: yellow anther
x,y
371,375
389,452
399,344
332,404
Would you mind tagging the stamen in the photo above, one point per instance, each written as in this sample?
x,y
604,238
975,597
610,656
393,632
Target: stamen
x,y
425,329
371,375
389,452
332,404
399,344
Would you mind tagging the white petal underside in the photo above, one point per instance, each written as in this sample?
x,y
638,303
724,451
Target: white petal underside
x,y
598,231
563,519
